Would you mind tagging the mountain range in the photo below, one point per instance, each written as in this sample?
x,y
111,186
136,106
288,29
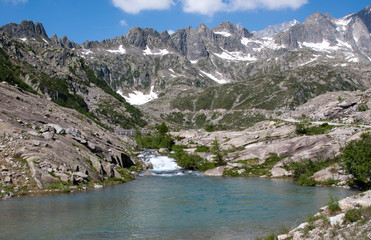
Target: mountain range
x,y
226,76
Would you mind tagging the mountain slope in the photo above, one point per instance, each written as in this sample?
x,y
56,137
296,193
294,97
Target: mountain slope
x,y
31,60
219,70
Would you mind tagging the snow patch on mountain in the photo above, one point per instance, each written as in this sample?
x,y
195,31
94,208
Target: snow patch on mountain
x,y
86,52
235,56
342,23
225,34
262,43
121,50
139,98
324,46
23,39
220,79
310,61
175,75
160,52
344,44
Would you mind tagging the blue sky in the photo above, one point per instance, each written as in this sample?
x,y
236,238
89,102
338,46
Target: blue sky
x,y
93,20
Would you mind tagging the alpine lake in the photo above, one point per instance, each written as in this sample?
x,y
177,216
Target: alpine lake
x,y
169,204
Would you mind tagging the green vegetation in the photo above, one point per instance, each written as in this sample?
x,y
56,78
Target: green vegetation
x,y
219,155
161,139
10,73
210,128
362,107
135,113
273,236
253,168
202,148
353,215
304,170
111,111
191,161
63,187
333,206
357,160
125,174
303,129
362,214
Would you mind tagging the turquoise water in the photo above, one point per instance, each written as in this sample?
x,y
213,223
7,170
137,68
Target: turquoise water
x,y
176,207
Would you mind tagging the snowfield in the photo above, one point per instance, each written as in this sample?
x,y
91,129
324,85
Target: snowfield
x,y
139,98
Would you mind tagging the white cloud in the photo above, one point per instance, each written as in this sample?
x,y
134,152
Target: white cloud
x,y
206,7
267,4
136,6
123,22
15,1
170,31
210,7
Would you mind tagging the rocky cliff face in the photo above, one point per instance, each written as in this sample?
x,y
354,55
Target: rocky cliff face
x,y
45,147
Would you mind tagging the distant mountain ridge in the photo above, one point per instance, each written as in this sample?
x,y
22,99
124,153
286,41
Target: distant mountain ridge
x,y
272,30
227,68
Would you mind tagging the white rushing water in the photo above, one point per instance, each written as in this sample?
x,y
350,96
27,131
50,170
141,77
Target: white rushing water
x,y
164,164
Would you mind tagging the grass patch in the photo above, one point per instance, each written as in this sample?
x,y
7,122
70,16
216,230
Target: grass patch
x,y
64,187
125,174
202,148
303,129
252,167
333,206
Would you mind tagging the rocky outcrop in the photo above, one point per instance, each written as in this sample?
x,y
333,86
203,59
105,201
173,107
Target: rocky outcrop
x,y
351,221
25,29
215,172
44,146
332,173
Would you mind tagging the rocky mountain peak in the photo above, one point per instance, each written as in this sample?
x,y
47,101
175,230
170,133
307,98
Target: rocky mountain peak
x,y
63,42
25,29
202,28
138,37
272,30
225,26
365,16
318,18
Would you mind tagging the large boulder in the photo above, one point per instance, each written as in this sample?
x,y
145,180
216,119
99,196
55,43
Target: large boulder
x,y
215,172
330,173
278,171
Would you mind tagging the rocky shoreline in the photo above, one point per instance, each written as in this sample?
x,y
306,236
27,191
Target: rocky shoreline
x,y
349,218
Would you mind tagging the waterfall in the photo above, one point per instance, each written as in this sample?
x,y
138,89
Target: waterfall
x,y
163,164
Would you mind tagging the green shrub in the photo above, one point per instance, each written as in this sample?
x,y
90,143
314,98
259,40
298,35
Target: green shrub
x,y
191,161
156,140
202,148
210,128
362,107
304,170
357,160
353,215
303,129
333,205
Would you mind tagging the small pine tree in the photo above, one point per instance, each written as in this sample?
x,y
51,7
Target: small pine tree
x,y
215,148
163,129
